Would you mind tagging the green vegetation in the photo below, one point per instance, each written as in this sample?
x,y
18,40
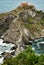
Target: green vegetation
x,y
3,14
26,57
33,25
42,21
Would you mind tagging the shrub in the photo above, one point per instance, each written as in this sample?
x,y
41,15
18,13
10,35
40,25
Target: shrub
x,y
26,57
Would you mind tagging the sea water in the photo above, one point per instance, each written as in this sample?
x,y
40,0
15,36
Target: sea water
x,y
5,48
38,46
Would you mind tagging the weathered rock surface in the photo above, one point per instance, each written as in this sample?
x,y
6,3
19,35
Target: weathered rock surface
x,y
23,29
5,22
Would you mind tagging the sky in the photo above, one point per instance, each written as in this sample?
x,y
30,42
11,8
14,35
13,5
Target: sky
x,y
8,5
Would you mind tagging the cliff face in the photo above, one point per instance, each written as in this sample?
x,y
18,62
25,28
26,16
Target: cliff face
x,y
5,22
22,26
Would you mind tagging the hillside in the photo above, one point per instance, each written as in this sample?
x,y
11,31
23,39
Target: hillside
x,y
21,26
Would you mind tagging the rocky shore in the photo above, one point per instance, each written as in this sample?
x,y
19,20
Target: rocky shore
x,y
21,27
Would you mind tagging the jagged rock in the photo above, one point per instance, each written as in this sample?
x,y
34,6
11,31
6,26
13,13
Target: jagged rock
x,y
0,56
13,48
5,22
12,53
7,55
22,29
3,53
11,36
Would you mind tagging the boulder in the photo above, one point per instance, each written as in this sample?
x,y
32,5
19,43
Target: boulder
x,y
7,55
12,53
3,53
13,48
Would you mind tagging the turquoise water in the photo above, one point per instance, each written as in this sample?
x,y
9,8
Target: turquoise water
x,y
38,46
8,5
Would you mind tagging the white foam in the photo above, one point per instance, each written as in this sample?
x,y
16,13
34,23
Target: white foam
x,y
1,60
41,42
1,41
5,48
33,48
38,44
9,51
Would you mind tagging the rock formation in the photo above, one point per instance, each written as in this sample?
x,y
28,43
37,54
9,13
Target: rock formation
x,y
23,27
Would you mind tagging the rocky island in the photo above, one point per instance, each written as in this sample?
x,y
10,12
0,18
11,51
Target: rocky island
x,y
21,27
